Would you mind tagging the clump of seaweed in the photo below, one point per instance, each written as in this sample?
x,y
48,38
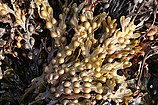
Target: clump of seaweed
x,y
78,52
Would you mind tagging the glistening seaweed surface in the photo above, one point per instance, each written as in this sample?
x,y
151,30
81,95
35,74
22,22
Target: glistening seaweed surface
x,y
78,52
